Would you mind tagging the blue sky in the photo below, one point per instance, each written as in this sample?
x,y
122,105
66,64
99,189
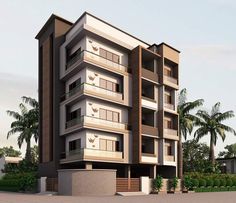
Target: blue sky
x,y
204,32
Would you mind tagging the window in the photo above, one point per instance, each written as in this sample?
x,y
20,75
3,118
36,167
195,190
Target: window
x,y
70,56
74,145
103,144
75,84
168,123
109,115
168,149
115,117
108,145
106,84
109,55
168,71
168,98
75,114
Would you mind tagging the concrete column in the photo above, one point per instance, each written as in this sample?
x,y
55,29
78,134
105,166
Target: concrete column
x,y
155,66
145,185
153,170
42,184
128,171
161,150
88,166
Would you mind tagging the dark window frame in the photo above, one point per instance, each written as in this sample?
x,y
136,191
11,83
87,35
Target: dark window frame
x,y
106,110
106,53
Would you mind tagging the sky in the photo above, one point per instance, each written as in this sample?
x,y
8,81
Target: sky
x,y
204,31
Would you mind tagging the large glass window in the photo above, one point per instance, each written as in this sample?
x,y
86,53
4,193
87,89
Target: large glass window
x,y
109,115
106,84
72,55
168,123
168,98
75,145
108,145
109,55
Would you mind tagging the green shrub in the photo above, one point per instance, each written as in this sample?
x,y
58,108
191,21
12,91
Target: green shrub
x,y
18,182
234,181
28,182
158,183
188,183
9,185
202,182
209,182
229,182
223,182
195,183
174,183
217,182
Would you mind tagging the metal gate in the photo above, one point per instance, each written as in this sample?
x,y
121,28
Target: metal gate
x,y
52,184
127,184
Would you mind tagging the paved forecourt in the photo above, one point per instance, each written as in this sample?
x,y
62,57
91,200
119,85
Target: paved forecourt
x,y
214,197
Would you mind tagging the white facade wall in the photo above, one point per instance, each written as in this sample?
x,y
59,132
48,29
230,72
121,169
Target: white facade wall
x,y
93,106
106,29
93,45
90,138
92,76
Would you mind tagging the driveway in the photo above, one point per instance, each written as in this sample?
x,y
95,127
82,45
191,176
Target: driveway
x,y
217,197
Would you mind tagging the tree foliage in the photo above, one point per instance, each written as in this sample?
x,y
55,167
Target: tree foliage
x,y
9,151
211,124
229,152
25,124
195,156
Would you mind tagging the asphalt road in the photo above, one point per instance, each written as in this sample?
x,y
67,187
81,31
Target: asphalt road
x,y
216,197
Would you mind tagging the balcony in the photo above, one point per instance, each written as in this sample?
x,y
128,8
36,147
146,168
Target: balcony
x,y
149,130
94,122
149,103
169,158
96,59
149,158
169,106
171,134
150,75
171,80
92,154
95,91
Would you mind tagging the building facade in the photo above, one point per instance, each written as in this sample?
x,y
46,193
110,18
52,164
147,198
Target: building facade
x,y
108,100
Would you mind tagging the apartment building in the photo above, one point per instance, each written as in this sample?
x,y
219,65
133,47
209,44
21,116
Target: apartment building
x,y
108,100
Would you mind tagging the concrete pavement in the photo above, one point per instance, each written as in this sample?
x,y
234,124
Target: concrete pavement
x,y
214,197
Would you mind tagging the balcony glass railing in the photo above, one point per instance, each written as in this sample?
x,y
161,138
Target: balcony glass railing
x,y
171,132
169,106
96,121
95,58
82,153
94,89
171,79
169,158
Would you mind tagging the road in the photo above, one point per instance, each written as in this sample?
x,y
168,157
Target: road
x,y
217,197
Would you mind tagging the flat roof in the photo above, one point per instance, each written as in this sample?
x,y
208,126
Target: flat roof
x,y
87,13
51,18
163,43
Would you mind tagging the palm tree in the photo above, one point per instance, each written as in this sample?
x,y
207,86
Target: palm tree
x,y
186,123
26,124
211,124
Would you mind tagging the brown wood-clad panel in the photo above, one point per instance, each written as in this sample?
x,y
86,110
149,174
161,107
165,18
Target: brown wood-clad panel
x,y
46,101
135,63
149,75
127,185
